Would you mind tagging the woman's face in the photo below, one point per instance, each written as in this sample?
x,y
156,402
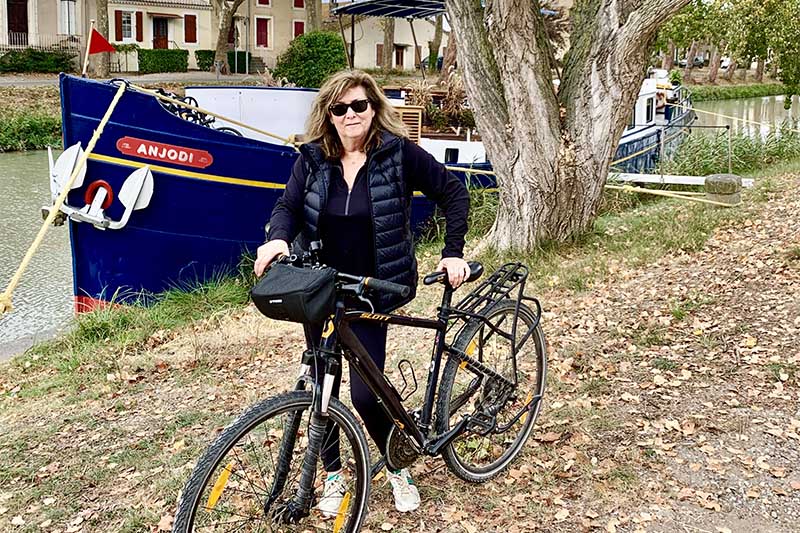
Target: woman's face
x,y
353,127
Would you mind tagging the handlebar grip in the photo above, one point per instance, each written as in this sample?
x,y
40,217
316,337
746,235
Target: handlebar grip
x,y
433,277
387,286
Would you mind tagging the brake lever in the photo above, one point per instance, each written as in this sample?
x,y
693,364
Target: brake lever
x,y
358,289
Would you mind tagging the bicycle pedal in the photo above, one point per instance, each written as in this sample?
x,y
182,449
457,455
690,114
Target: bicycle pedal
x,y
483,421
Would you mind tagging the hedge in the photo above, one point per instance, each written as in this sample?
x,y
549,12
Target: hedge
x,y
703,93
30,60
205,60
163,61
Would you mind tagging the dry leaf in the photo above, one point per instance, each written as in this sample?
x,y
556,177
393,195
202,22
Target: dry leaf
x,y
795,485
18,521
387,526
562,515
165,524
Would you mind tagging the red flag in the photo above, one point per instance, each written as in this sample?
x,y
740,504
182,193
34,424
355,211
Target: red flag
x,y
98,43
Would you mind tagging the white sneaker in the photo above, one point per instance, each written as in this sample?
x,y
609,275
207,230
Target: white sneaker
x,y
332,495
406,495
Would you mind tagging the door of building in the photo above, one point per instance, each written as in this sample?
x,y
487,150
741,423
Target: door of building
x,y
399,52
160,33
17,22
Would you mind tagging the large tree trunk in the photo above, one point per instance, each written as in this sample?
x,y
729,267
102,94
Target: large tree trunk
x,y
713,65
552,152
731,69
760,70
434,45
669,58
314,14
690,59
224,12
388,43
101,65
449,60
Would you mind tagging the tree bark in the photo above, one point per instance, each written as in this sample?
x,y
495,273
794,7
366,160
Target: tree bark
x,y
101,65
434,45
690,58
731,69
449,60
669,57
388,43
314,14
760,70
713,65
224,12
552,152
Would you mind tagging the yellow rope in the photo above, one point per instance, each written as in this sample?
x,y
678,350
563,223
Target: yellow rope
x,y
216,115
5,298
670,194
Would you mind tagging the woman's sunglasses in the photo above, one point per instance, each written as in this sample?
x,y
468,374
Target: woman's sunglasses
x,y
359,106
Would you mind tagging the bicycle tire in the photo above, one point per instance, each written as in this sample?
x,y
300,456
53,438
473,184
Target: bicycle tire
x,y
247,493
461,454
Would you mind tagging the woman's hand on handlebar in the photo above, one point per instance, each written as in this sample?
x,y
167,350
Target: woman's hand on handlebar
x,y
267,253
457,270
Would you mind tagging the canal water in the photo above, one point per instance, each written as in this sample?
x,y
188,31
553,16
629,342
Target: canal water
x,y
43,299
760,115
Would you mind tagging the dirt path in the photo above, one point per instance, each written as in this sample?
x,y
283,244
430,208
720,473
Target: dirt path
x,y
672,406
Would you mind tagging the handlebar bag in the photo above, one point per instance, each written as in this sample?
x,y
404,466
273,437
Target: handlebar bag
x,y
294,294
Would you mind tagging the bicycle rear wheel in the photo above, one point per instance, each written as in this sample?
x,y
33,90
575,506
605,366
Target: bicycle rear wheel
x,y
507,414
252,470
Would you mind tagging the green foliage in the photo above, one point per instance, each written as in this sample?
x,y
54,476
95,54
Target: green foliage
x,y
240,66
675,76
205,59
311,58
163,61
126,48
702,93
30,60
29,131
701,155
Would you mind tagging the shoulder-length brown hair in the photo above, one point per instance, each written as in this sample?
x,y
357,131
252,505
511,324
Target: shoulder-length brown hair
x,y
319,127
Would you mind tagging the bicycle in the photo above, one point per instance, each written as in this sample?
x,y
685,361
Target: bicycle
x,y
263,469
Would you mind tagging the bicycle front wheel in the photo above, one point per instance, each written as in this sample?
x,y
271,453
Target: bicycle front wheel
x,y
249,476
504,416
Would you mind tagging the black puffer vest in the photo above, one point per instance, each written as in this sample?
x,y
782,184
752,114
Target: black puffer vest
x,y
391,212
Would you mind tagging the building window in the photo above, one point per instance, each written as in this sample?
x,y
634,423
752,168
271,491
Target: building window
x,y
262,32
263,2
399,54
650,107
69,20
190,28
299,4
127,25
299,28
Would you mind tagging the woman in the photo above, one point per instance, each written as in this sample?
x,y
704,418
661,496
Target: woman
x,y
351,189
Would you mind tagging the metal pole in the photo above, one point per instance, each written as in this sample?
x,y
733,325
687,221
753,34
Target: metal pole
x,y
346,51
414,37
662,134
247,40
353,41
730,164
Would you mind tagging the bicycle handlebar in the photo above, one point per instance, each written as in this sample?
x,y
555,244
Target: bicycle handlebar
x,y
387,286
374,284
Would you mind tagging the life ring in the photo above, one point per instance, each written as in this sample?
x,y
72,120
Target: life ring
x,y
88,196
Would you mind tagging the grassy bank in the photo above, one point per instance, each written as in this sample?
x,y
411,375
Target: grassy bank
x,y
100,429
702,93
30,118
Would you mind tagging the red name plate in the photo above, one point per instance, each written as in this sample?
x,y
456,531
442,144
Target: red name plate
x,y
168,153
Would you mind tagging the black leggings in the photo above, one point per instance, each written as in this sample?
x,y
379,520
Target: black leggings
x,y
373,336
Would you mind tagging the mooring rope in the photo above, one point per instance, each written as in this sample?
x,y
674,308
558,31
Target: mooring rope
x,y
5,298
748,121
284,140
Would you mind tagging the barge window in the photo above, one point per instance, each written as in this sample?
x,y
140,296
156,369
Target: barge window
x,y
632,122
650,107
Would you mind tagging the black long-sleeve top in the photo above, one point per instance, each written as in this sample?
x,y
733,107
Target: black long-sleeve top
x,y
420,170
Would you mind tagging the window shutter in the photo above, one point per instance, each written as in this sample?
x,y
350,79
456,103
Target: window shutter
x,y
262,36
190,28
299,4
117,25
139,27
379,54
299,28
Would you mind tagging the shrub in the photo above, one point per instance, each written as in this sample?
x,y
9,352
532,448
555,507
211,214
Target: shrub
x,y
163,61
702,93
30,60
29,131
311,58
239,67
205,59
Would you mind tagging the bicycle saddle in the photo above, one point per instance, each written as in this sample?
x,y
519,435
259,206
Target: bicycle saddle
x,y
475,271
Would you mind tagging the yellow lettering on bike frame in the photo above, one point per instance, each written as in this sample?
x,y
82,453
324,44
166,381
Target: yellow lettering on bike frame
x,y
328,330
373,316
339,522
219,486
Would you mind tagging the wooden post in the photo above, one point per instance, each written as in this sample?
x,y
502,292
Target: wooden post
x,y
88,45
416,47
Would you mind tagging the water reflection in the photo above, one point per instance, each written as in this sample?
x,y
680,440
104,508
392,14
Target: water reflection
x,y
43,298
750,116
